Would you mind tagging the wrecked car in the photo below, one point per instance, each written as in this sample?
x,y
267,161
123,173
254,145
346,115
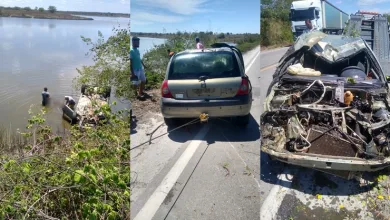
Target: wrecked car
x,y
327,106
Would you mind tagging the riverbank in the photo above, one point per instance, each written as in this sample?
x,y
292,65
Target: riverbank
x,y
36,14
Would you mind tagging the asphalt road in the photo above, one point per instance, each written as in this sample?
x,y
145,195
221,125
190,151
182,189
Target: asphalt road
x,y
208,171
291,192
269,61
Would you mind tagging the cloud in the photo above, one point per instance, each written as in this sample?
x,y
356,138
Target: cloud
x,y
338,2
149,17
183,7
371,2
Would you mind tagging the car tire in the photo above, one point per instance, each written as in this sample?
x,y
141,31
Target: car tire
x,y
242,121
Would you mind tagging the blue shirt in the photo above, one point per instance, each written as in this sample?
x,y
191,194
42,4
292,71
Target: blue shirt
x,y
135,58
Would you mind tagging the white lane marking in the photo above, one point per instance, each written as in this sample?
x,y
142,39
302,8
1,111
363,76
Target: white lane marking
x,y
154,202
251,63
271,204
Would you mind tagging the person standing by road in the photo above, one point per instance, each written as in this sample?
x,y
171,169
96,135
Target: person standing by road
x,y
137,66
45,97
309,26
199,45
170,53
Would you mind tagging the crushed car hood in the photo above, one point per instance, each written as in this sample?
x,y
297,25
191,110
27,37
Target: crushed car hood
x,y
330,47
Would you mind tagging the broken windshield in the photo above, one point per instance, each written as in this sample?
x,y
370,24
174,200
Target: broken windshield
x,y
301,15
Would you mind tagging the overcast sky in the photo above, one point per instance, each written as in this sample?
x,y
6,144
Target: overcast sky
x,y
119,6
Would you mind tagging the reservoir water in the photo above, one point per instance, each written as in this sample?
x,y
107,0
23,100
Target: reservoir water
x,y
38,53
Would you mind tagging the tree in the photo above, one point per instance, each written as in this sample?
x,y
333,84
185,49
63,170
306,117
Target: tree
x,y
36,9
52,9
221,36
112,63
41,9
27,8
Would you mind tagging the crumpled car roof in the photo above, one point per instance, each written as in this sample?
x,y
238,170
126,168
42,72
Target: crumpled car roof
x,y
330,47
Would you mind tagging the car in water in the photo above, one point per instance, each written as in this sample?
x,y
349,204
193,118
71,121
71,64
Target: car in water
x,y
327,107
210,81
84,112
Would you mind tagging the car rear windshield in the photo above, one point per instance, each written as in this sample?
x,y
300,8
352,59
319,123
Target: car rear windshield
x,y
219,64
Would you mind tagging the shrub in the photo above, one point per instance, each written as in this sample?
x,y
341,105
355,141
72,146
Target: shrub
x,y
83,174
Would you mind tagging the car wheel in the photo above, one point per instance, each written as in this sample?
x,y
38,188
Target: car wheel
x,y
170,122
242,121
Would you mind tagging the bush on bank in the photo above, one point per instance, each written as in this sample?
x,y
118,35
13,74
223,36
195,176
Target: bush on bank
x,y
112,63
84,174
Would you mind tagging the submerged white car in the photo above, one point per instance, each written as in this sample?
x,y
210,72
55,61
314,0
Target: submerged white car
x,y
84,112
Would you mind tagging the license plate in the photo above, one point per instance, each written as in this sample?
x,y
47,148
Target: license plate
x,y
204,91
179,96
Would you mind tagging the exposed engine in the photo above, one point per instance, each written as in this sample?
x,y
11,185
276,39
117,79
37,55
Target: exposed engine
x,y
327,119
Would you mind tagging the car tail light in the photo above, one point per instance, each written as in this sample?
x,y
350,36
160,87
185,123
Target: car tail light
x,y
244,87
165,90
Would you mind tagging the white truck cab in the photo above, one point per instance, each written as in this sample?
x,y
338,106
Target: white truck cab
x,y
323,15
302,10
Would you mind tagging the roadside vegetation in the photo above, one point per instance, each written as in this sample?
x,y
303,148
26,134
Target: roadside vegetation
x,y
79,174
156,59
275,24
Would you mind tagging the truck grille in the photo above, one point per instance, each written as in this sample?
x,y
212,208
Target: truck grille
x,y
300,27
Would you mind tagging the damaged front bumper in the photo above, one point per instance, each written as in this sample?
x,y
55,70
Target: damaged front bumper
x,y
326,136
328,162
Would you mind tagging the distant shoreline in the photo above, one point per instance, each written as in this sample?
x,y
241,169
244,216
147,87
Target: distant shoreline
x,y
49,18
58,15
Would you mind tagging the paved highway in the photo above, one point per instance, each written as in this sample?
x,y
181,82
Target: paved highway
x,y
209,171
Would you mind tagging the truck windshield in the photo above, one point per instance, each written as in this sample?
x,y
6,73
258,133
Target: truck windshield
x,y
301,15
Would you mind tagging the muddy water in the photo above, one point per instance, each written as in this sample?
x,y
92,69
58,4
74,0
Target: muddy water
x,y
38,53
147,44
